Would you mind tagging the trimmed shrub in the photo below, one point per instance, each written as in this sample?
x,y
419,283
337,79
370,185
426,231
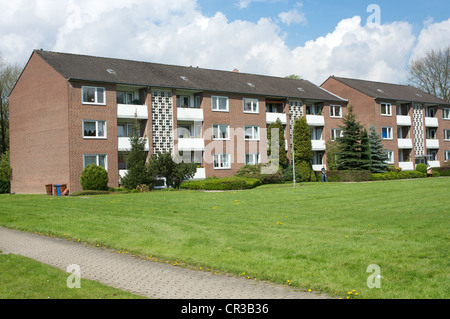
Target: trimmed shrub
x,y
421,168
254,171
226,183
4,186
288,176
445,171
94,177
349,176
89,192
397,175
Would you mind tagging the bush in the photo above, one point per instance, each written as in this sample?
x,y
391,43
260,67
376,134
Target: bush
x,y
4,187
94,177
89,192
445,171
349,176
226,183
421,168
288,176
254,171
397,175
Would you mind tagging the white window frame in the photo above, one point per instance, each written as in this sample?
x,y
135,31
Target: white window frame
x,y
254,105
388,109
252,159
220,161
334,133
254,135
333,109
446,134
446,114
96,129
432,155
97,160
128,96
216,127
390,133
390,157
215,103
96,95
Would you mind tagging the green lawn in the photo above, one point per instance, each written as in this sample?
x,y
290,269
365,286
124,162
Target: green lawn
x,y
319,235
24,278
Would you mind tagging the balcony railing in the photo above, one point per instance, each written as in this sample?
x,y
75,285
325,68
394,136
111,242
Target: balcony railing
x,y
406,166
191,144
128,111
431,122
404,120
404,143
125,145
189,114
318,145
272,117
432,143
315,120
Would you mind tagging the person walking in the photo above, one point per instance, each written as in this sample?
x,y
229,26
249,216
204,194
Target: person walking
x,y
324,174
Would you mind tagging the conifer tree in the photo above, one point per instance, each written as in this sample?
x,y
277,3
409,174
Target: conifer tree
x,y
378,153
366,161
350,143
303,149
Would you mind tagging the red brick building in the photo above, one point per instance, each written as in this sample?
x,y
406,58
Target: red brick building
x,y
68,111
415,125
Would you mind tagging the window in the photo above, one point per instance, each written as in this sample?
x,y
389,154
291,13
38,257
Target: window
x,y
390,156
94,129
125,129
316,133
222,161
251,106
183,101
219,103
251,159
251,132
221,132
315,109
335,111
93,95
446,134
430,112
97,159
386,133
447,156
124,97
335,133
432,155
431,133
386,109
446,114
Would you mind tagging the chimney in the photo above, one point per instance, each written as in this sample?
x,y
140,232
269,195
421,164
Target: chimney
x,y
236,71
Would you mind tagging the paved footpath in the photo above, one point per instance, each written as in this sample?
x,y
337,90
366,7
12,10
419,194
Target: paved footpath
x,y
142,277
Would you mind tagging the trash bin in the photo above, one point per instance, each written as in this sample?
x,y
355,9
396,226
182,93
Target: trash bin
x,y
57,190
49,189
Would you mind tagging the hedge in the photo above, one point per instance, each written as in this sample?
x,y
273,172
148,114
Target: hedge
x,y
397,175
4,187
348,176
254,171
226,183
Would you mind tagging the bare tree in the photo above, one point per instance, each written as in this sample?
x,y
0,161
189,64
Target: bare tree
x,y
431,73
8,77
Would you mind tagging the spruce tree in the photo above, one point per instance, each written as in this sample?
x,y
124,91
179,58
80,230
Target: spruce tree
x,y
350,143
366,161
378,153
281,141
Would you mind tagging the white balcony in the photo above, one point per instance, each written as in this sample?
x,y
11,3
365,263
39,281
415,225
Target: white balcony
x,y
432,143
123,172
318,167
406,166
434,164
125,145
200,174
191,144
272,117
431,122
189,114
129,111
315,120
318,145
405,143
404,120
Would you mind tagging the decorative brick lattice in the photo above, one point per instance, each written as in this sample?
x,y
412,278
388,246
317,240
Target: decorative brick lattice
x,y
296,111
419,142
162,121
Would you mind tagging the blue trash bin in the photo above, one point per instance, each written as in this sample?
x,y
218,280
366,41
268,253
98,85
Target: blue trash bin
x,y
58,189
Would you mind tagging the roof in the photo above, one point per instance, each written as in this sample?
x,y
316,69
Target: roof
x,y
95,69
389,91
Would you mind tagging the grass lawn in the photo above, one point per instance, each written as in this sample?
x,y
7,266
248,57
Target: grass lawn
x,y
24,278
319,235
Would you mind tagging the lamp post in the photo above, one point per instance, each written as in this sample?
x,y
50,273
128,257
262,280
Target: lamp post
x,y
292,146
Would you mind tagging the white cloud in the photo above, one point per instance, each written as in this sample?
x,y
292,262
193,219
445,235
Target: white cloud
x,y
292,17
159,31
433,36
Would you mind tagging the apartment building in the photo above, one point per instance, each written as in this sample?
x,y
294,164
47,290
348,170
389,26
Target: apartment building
x,y
68,111
415,125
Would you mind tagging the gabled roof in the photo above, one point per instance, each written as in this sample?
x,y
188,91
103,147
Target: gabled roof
x,y
388,91
118,71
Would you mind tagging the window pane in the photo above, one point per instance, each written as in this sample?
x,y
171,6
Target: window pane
x,y
120,98
384,132
248,132
101,160
89,129
223,131
121,130
89,95
100,95
222,103
90,159
101,128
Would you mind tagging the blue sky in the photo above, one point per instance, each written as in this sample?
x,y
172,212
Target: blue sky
x,y
310,38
